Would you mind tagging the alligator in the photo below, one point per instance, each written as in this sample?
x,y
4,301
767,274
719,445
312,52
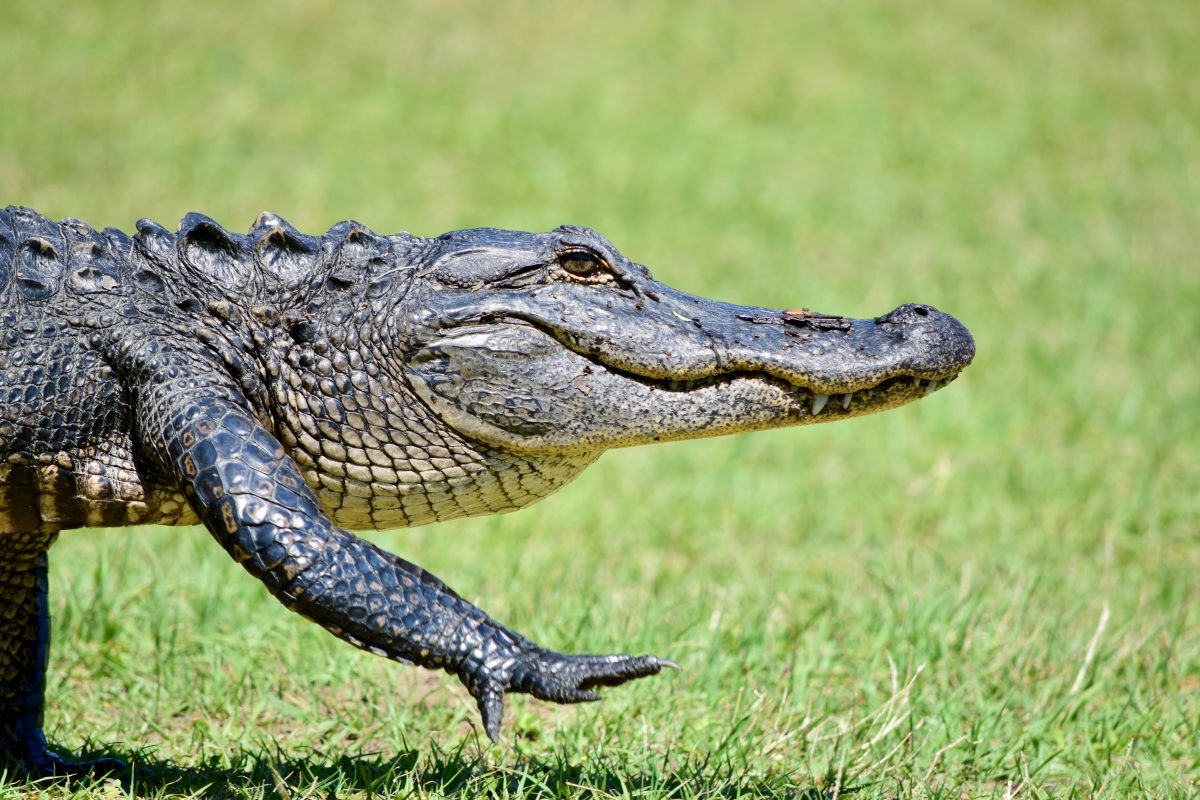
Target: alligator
x,y
283,389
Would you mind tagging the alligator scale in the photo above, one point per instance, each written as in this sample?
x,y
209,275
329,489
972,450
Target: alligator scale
x,y
283,389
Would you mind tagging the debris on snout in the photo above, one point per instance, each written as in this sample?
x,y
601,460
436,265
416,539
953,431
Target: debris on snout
x,y
811,319
760,320
800,318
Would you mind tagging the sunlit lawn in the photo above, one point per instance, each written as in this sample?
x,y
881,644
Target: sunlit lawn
x,y
991,593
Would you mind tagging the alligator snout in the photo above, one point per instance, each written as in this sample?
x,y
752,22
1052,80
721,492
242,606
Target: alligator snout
x,y
828,354
936,344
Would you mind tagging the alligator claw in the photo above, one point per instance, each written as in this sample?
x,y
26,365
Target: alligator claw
x,y
557,678
491,710
38,762
91,769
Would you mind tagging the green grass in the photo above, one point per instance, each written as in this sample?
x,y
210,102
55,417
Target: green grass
x,y
991,593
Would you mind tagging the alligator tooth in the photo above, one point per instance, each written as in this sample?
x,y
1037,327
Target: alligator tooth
x,y
819,403
930,387
846,401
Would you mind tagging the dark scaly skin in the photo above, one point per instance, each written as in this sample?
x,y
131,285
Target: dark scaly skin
x,y
280,388
25,641
24,653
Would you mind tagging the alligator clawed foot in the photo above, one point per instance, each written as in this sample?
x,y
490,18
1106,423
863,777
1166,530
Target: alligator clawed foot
x,y
557,678
35,761
99,767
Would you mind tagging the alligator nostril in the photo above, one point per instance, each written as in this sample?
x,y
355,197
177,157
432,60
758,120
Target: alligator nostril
x,y
909,314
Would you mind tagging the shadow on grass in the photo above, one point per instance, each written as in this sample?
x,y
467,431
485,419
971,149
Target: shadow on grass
x,y
457,772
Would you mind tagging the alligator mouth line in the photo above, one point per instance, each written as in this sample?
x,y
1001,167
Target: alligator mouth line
x,y
905,387
889,392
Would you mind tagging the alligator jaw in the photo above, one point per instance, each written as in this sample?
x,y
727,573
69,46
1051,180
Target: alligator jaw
x,y
532,381
829,407
557,342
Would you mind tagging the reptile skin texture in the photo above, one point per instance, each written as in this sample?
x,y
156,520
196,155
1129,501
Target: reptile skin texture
x,y
283,389
24,639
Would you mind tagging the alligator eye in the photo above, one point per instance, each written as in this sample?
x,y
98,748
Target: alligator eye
x,y
583,263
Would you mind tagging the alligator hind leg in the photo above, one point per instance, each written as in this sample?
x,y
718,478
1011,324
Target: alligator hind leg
x,y
24,651
24,647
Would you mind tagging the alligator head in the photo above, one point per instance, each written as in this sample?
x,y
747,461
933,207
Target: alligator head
x,y
555,342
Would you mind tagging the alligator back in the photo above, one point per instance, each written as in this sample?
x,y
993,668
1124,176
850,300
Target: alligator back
x,y
67,453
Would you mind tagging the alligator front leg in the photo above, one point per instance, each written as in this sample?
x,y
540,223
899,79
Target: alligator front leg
x,y
252,498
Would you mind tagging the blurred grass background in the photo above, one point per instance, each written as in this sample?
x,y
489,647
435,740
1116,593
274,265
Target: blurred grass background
x,y
993,592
